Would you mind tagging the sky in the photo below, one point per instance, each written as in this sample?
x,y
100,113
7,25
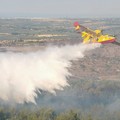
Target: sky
x,y
60,8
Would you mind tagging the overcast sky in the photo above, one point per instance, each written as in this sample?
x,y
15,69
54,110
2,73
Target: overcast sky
x,y
60,8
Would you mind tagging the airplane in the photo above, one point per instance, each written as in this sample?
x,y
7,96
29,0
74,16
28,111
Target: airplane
x,y
94,36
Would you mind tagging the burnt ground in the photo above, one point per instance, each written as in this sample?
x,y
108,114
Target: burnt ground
x,y
103,63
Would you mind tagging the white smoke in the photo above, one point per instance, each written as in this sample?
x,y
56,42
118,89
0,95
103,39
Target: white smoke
x,y
22,74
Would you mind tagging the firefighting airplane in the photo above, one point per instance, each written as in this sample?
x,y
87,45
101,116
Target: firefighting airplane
x,y
94,36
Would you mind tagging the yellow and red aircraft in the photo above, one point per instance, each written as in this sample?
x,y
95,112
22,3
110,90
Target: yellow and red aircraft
x,y
94,36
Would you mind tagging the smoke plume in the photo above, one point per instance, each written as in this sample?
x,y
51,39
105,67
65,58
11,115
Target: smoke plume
x,y
24,74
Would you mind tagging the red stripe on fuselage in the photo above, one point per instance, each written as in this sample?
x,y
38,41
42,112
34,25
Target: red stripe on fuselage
x,y
108,41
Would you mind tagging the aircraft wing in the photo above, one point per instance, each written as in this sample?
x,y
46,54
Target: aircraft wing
x,y
87,30
79,28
